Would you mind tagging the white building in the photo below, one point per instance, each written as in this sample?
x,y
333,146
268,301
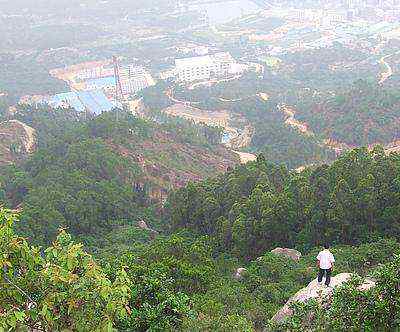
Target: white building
x,y
203,67
167,74
134,79
201,50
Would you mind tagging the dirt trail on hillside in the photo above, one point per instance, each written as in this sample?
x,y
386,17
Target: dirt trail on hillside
x,y
215,118
291,120
389,71
338,147
213,82
302,127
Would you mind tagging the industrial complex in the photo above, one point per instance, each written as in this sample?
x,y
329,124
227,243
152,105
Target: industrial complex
x,y
205,67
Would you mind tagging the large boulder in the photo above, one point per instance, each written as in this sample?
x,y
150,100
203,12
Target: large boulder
x,y
319,292
143,225
17,140
290,253
239,273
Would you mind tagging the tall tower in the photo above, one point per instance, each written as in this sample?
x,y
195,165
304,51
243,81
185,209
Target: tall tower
x,y
118,86
119,96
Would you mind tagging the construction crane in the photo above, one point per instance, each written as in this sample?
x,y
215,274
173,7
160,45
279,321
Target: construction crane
x,y
119,95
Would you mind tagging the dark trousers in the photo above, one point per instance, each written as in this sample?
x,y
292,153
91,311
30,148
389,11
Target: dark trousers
x,y
323,272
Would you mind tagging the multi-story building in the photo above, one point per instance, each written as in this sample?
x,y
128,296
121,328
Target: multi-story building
x,y
134,79
203,67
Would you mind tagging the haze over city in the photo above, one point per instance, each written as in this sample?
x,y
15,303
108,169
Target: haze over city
x,y
199,165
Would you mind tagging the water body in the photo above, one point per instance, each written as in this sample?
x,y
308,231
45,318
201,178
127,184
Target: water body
x,y
222,12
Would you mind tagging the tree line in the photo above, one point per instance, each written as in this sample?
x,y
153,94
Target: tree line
x,y
261,206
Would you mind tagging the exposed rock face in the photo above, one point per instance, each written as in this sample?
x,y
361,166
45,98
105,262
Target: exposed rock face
x,y
316,291
240,273
17,140
29,140
290,253
143,225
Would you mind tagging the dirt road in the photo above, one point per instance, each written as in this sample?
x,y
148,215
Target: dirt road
x,y
213,82
239,138
338,147
389,71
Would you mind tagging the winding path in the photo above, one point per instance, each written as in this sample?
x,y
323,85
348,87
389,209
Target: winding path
x,y
213,81
293,122
302,127
389,71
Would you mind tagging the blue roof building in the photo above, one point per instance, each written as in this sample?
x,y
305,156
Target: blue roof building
x,y
93,101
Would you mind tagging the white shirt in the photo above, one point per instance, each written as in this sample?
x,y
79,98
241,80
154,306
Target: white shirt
x,y
326,259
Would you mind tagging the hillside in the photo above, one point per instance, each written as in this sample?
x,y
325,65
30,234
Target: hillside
x,y
207,260
169,163
210,266
171,152
360,114
249,102
100,174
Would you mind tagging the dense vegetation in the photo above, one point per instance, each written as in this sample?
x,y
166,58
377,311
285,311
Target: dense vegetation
x,y
327,68
183,279
255,208
361,114
59,288
154,97
88,175
82,185
24,75
174,283
96,180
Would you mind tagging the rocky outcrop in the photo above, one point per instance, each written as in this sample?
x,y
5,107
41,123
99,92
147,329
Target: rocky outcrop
x,y
239,273
29,140
319,292
143,225
290,253
17,141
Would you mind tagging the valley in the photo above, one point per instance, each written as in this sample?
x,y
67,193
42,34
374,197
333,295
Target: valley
x,y
183,165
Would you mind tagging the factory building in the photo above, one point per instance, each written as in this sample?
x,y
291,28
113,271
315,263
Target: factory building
x,y
94,102
135,79
203,67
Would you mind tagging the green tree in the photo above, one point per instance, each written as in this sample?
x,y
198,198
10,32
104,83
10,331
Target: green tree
x,y
59,288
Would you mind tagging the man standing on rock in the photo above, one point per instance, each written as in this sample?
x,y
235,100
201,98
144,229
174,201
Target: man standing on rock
x,y
325,262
